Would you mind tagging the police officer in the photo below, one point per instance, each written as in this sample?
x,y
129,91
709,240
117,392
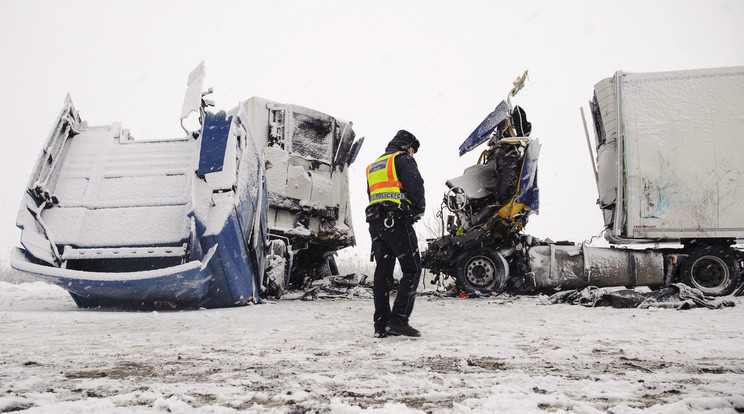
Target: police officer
x,y
396,201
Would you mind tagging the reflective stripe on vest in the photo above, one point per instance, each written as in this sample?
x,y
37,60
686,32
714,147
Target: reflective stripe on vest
x,y
383,180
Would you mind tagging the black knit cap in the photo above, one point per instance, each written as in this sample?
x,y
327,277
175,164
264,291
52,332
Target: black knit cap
x,y
404,139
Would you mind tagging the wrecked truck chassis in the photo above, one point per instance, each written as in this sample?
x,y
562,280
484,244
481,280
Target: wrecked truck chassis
x,y
540,267
528,266
490,202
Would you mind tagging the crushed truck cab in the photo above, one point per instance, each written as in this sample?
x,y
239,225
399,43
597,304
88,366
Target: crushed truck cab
x,y
306,154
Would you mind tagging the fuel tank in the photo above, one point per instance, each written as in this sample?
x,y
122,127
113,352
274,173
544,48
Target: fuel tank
x,y
574,267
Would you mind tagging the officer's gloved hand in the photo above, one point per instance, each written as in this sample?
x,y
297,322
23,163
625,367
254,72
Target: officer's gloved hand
x,y
405,213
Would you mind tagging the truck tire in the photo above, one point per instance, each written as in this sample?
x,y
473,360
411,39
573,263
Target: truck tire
x,y
275,274
481,269
331,261
714,270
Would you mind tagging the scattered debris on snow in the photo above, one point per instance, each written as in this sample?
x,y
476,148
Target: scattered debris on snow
x,y
675,296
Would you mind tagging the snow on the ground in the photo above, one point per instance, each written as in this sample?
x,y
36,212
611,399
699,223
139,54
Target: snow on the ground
x,y
500,354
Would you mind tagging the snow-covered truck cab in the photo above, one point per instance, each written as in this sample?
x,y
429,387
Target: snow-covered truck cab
x,y
173,223
306,153
185,222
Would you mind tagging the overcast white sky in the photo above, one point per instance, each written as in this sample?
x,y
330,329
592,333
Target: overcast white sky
x,y
435,68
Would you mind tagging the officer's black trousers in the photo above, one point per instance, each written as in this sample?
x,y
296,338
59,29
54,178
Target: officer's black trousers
x,y
399,242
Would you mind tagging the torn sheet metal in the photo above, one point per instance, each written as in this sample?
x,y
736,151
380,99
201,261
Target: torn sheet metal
x,y
483,131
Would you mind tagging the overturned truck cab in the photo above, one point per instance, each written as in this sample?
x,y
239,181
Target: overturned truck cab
x,y
649,193
211,219
119,222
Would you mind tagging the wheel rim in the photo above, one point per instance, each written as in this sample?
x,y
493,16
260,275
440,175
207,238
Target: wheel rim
x,y
480,272
709,272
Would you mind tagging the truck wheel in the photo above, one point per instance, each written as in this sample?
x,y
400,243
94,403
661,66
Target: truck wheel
x,y
714,270
481,269
331,261
275,274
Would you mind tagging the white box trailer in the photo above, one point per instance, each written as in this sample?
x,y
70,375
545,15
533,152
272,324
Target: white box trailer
x,y
669,172
669,154
669,149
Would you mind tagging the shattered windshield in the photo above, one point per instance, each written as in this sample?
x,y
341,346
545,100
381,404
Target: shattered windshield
x,y
312,137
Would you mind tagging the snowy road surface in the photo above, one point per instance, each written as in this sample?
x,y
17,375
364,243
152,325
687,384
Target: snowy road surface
x,y
475,355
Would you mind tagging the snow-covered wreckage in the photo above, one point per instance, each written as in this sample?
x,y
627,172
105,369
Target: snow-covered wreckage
x,y
670,181
306,153
212,219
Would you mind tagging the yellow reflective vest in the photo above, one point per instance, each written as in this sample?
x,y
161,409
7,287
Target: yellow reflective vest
x,y
383,180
